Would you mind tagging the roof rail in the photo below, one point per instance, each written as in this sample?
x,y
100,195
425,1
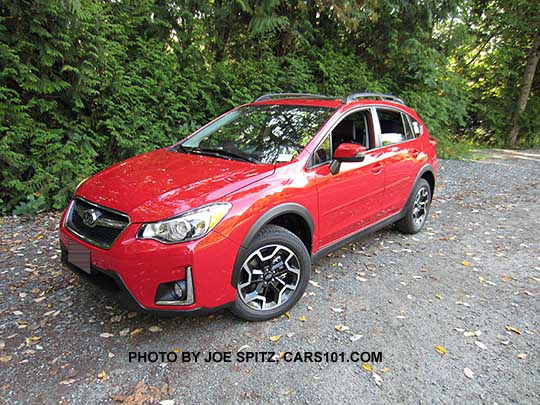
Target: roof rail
x,y
356,96
273,96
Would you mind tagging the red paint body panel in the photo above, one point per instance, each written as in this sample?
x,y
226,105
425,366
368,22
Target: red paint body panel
x,y
161,184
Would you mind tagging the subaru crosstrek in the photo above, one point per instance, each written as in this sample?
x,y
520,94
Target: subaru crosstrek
x,y
234,214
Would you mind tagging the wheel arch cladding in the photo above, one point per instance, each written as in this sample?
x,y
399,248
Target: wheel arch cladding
x,y
291,216
428,175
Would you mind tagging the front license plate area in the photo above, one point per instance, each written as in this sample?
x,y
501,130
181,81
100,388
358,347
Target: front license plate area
x,y
79,256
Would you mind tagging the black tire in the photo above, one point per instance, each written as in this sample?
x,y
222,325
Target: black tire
x,y
410,223
266,241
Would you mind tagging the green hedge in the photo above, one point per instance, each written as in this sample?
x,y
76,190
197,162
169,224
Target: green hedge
x,y
84,84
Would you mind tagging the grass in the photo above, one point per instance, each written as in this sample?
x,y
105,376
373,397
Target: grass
x,y
458,150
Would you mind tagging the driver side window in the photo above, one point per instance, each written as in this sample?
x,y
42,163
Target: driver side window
x,y
354,128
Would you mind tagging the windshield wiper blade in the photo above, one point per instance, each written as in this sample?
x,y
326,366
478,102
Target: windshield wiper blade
x,y
228,153
182,148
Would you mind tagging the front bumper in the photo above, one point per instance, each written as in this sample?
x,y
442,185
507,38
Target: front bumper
x,y
132,269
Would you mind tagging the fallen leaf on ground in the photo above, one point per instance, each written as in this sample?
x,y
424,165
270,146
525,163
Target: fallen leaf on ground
x,y
441,350
243,348
342,328
468,373
337,310
385,370
142,394
124,332
135,332
522,356
471,334
67,382
480,345
33,340
102,375
302,318
106,335
512,329
354,338
154,329
367,367
377,379
275,338
167,402
5,359
465,263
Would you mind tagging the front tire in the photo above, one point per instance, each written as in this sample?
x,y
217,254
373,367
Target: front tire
x,y
417,209
272,276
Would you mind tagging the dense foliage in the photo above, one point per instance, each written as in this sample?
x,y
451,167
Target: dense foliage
x,y
86,83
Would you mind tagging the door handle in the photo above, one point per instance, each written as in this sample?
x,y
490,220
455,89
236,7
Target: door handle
x,y
377,168
415,153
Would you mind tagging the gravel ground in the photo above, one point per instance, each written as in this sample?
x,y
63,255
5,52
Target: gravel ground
x,y
473,270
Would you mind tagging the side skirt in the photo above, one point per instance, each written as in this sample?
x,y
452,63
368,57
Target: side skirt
x,y
358,235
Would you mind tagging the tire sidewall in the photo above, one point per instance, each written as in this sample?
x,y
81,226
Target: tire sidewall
x,y
421,183
290,241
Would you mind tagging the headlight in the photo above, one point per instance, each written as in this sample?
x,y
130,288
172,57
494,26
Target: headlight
x,y
191,225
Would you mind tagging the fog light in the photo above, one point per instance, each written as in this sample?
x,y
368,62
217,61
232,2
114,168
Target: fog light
x,y
180,290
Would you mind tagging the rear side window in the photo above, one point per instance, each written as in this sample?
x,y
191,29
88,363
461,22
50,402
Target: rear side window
x,y
409,134
416,128
392,127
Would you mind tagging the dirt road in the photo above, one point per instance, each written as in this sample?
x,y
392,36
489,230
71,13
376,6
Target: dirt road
x,y
461,295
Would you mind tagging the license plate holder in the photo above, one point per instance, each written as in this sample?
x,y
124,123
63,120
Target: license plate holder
x,y
79,256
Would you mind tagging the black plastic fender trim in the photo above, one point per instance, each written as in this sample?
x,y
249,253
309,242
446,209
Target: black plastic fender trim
x,y
274,212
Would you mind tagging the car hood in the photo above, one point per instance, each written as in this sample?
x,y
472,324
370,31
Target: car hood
x,y
161,184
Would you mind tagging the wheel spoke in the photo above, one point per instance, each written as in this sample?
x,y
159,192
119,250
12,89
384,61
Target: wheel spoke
x,y
267,280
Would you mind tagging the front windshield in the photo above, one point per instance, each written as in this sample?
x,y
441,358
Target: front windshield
x,y
259,134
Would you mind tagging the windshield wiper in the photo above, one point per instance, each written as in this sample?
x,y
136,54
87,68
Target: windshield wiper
x,y
227,153
183,149
221,153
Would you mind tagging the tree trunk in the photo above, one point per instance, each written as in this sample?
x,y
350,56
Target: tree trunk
x,y
525,88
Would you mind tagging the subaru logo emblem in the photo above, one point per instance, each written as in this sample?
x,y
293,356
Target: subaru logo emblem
x,y
90,217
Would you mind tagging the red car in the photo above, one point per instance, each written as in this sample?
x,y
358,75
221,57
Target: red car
x,y
234,214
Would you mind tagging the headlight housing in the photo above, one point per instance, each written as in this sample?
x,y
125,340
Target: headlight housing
x,y
188,226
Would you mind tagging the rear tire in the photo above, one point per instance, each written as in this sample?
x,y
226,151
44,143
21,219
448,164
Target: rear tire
x,y
417,208
272,276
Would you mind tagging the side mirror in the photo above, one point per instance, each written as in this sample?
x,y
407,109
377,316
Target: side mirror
x,y
347,152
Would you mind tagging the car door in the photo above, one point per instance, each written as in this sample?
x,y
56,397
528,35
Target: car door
x,y
399,150
351,199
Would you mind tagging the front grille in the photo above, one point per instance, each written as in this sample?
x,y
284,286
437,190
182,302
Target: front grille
x,y
102,225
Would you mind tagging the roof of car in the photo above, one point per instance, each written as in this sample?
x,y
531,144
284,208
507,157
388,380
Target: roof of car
x,y
329,103
326,101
